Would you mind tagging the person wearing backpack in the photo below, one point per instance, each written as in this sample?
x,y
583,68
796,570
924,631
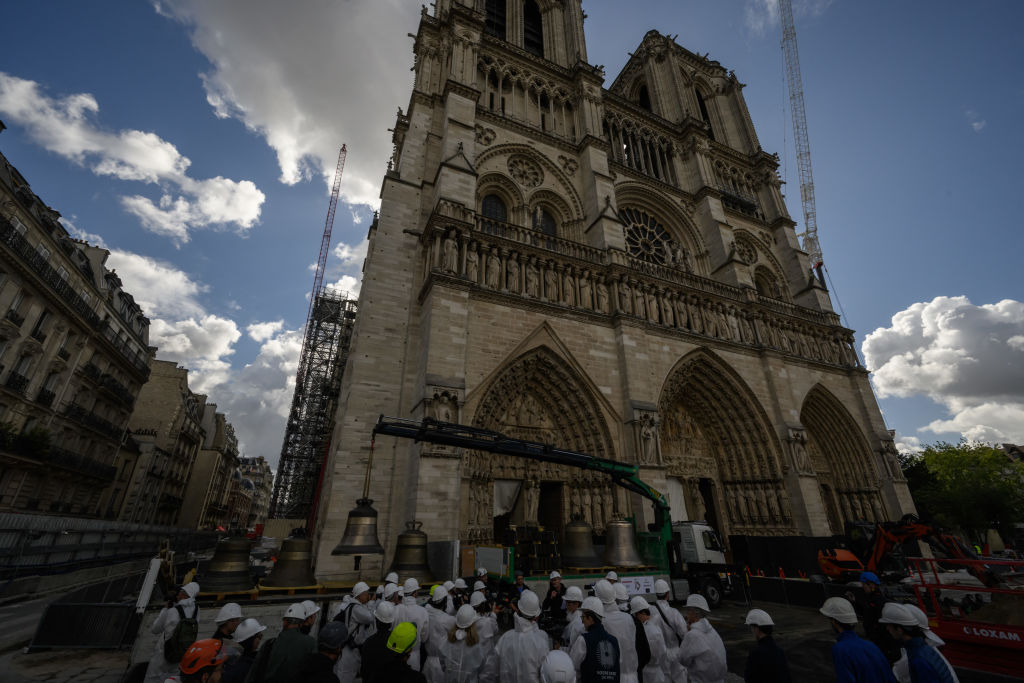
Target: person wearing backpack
x,y
280,659
177,623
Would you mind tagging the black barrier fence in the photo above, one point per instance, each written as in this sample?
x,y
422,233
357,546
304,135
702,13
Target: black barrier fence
x,y
89,626
791,554
800,592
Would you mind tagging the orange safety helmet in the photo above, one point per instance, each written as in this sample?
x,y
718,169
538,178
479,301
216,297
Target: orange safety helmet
x,y
201,654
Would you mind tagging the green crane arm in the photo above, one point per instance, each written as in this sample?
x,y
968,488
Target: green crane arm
x,y
475,438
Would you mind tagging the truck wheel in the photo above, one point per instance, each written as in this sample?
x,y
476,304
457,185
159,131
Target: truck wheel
x,y
712,592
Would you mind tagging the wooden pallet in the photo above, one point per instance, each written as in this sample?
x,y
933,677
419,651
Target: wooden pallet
x,y
222,596
289,590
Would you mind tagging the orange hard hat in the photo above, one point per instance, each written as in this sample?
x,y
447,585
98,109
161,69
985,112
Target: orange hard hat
x,y
201,654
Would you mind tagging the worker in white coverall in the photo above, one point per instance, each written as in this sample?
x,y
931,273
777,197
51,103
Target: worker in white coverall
x,y
574,627
361,624
673,629
160,669
620,625
411,611
487,627
464,653
702,651
439,625
521,651
655,670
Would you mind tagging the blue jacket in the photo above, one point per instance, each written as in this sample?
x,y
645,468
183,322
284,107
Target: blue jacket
x,y
926,666
602,662
859,661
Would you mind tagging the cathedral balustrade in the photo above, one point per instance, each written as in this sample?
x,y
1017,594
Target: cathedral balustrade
x,y
638,145
533,266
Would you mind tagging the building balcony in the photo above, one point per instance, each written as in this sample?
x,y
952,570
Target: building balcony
x,y
84,417
91,371
169,502
45,397
63,354
16,383
39,336
117,390
13,316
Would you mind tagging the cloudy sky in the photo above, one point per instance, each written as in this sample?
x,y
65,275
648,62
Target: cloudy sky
x,y
196,139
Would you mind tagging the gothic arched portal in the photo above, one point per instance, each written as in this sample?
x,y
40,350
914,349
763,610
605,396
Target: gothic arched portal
x,y
842,460
538,397
716,437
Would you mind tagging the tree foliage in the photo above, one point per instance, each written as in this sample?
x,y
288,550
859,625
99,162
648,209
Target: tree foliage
x,y
968,486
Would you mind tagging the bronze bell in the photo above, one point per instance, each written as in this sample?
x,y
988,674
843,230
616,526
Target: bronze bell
x,y
620,545
292,569
578,549
229,569
360,537
411,554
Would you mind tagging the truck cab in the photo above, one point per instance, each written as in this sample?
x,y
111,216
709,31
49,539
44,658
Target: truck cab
x,y
704,567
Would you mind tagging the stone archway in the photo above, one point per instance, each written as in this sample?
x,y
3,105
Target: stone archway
x,y
539,397
715,435
841,459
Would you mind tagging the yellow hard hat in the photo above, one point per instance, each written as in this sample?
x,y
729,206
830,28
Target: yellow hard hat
x,y
402,638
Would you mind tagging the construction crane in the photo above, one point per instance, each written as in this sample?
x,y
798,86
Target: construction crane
x,y
803,147
327,332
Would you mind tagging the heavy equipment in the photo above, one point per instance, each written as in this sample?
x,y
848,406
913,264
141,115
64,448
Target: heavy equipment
x,y
702,570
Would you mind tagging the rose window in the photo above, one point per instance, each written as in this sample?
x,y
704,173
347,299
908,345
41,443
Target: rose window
x,y
646,238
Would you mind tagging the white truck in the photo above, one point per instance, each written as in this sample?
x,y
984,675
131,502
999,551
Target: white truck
x,y
704,569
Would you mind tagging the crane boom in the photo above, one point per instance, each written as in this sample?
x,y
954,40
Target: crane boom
x,y
803,146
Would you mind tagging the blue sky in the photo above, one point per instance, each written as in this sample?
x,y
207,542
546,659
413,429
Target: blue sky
x,y
913,112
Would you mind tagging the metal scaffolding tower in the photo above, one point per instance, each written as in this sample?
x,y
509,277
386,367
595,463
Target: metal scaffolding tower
x,y
329,322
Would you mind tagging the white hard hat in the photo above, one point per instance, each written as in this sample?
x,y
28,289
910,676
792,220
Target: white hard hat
x,y
922,621
612,576
529,604
391,578
191,589
573,594
448,585
229,611
480,571
479,586
557,668
295,611
460,584
410,586
621,592
697,600
438,594
465,617
839,609
661,587
380,589
477,599
638,604
758,617
359,589
385,612
554,574
311,607
247,629
605,592
390,590
895,613
593,604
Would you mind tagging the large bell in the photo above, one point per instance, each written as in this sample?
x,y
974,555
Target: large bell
x,y
620,545
292,569
360,537
578,548
229,569
411,554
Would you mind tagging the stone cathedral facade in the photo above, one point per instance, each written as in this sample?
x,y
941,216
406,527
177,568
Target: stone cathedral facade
x,y
607,268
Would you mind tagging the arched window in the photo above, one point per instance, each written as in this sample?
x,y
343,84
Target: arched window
x,y
704,112
496,14
766,284
646,237
544,222
643,98
533,31
494,208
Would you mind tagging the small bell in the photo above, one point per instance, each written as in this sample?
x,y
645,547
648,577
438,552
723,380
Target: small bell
x,y
360,537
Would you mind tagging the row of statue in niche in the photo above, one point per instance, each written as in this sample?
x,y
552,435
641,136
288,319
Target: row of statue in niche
x,y
595,503
575,287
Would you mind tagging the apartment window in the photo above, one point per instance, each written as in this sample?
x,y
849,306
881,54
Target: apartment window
x,y
85,296
17,300
18,225
23,365
40,321
43,251
62,272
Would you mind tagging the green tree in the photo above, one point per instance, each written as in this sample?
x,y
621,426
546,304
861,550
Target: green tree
x,y
968,486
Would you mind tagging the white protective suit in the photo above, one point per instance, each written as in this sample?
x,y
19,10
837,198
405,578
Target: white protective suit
x,y
901,669
620,625
657,669
518,655
574,629
438,627
487,628
703,654
160,669
464,663
359,621
673,629
409,610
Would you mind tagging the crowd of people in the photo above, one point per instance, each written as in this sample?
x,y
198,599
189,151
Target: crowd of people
x,y
508,634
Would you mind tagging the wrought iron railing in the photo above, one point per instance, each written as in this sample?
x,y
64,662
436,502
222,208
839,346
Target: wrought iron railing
x,y
89,419
45,397
13,316
16,382
118,390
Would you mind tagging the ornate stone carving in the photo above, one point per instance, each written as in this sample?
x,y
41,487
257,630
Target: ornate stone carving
x,y
525,171
450,252
890,458
801,461
568,165
484,136
746,252
645,429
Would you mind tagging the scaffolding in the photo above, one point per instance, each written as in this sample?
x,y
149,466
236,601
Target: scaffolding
x,y
311,419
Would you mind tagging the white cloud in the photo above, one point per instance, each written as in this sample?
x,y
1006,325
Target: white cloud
x,y
347,283
975,120
352,256
261,332
160,288
968,358
298,78
908,444
79,234
65,126
762,16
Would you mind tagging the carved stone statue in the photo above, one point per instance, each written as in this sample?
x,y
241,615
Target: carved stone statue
x,y
494,270
699,511
532,279
648,439
625,298
531,500
798,449
602,297
472,264
568,290
666,310
550,284
639,305
587,500
513,275
450,255
585,289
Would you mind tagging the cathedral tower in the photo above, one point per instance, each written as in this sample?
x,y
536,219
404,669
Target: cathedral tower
x,y
612,270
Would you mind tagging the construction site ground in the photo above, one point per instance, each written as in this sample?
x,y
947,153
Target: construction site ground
x,y
800,631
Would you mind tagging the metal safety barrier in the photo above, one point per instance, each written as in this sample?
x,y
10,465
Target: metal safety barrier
x,y
86,625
